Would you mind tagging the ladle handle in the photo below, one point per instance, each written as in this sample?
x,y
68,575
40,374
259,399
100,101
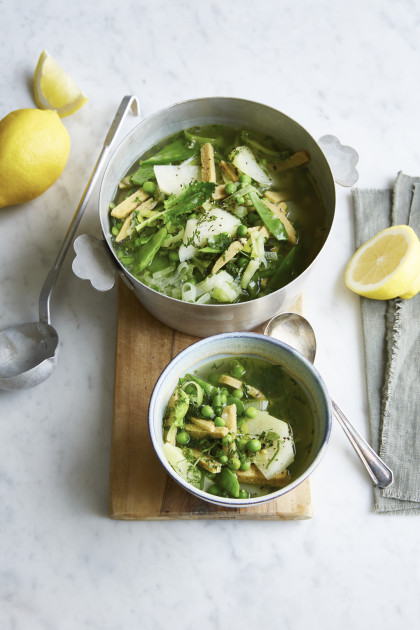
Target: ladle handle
x,y
44,298
381,475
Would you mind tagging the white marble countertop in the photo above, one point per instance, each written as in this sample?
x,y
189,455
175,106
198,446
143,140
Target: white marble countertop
x,y
346,68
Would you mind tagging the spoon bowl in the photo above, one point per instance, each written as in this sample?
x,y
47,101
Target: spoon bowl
x,y
297,332
294,330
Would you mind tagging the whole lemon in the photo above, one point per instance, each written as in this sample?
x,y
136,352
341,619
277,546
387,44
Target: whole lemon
x,y
34,148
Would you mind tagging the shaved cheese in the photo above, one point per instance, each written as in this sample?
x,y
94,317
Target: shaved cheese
x,y
179,462
198,231
244,160
214,222
281,453
172,179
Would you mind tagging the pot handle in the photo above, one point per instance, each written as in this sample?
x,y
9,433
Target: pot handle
x,y
93,262
342,160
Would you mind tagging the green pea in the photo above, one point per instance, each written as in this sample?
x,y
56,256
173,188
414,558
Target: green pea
x,y
240,200
182,437
243,494
149,187
251,412
234,463
219,422
245,179
230,188
207,411
237,370
224,397
242,230
223,459
245,464
215,490
242,262
173,255
115,230
218,410
252,218
253,446
241,443
227,439
237,393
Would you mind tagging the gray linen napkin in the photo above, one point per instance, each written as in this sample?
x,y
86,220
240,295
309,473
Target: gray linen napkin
x,y
391,332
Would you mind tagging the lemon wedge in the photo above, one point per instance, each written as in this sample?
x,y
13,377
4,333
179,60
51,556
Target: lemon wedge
x,y
387,266
55,89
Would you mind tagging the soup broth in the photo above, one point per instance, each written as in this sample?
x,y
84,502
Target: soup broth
x,y
239,428
216,214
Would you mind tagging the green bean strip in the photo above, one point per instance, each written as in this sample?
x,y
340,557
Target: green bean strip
x,y
271,222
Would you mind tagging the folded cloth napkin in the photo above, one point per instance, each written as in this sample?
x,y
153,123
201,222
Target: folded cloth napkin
x,y
391,331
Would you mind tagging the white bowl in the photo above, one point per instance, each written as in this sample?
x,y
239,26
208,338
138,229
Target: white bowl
x,y
234,345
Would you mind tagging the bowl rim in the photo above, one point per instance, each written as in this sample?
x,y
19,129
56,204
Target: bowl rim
x,y
132,279
231,502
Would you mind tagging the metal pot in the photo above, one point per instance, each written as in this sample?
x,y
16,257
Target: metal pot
x,y
208,319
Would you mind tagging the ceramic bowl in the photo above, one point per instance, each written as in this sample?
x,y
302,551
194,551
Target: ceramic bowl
x,y
233,345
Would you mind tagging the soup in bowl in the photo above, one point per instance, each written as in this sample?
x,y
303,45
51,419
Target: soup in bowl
x,y
239,418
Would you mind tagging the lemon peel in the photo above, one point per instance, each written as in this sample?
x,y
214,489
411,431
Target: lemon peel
x,y
55,89
386,266
34,148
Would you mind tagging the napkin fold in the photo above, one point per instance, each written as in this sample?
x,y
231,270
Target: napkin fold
x,y
391,331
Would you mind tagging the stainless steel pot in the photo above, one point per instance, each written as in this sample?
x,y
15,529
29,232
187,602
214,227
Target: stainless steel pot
x,y
208,319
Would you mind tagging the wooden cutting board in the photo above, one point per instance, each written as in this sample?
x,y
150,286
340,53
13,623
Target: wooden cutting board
x,y
140,488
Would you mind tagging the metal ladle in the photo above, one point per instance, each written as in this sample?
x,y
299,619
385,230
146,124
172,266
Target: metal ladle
x,y
28,352
296,331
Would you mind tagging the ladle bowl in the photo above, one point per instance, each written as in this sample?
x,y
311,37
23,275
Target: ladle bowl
x,y
28,352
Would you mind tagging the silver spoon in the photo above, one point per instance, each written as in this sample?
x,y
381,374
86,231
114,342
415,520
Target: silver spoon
x,y
296,331
28,352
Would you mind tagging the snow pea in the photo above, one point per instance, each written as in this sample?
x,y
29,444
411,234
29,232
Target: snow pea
x,y
271,222
227,480
149,249
284,270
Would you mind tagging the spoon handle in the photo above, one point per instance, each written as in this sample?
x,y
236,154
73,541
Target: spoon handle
x,y
380,473
44,298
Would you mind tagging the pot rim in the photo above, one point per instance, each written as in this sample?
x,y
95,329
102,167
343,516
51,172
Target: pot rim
x,y
230,502
132,279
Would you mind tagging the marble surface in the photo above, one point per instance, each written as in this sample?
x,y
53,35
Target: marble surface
x,y
345,68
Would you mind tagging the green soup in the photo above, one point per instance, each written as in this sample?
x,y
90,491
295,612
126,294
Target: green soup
x,y
216,214
239,428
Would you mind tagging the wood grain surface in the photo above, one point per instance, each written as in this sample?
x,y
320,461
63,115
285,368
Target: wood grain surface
x,y
140,488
